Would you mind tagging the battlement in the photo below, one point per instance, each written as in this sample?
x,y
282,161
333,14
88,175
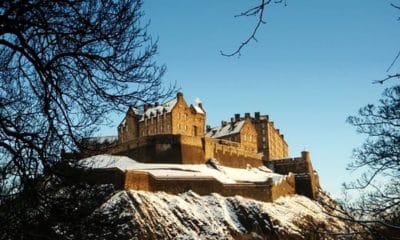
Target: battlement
x,y
267,191
307,181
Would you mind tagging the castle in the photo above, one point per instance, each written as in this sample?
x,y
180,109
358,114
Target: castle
x,y
176,133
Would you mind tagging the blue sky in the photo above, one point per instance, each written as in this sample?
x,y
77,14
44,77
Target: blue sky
x,y
313,65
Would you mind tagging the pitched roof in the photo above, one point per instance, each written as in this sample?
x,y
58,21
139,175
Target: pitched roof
x,y
226,130
198,109
166,107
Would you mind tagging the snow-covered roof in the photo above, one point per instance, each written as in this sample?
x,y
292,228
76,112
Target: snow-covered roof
x,y
101,140
226,130
223,174
166,107
198,109
136,111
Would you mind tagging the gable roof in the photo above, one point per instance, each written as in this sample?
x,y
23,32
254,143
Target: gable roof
x,y
165,107
226,130
197,108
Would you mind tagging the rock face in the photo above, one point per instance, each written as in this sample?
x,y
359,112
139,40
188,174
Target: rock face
x,y
146,215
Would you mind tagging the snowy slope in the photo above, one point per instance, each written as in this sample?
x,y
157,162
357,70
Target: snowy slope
x,y
145,215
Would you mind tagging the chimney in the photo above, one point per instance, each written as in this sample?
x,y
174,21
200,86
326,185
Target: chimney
x,y
157,104
208,128
223,123
257,115
237,117
247,115
305,155
179,96
145,107
200,106
232,120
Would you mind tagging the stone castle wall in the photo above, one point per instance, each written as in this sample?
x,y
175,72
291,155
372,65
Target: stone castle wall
x,y
266,191
286,186
306,179
187,150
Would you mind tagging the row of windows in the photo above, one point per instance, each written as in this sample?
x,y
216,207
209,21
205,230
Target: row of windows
x,y
155,130
146,120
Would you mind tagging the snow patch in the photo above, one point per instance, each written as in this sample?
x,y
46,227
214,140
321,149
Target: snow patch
x,y
223,174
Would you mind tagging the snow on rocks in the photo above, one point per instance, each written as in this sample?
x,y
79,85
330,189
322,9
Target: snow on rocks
x,y
190,216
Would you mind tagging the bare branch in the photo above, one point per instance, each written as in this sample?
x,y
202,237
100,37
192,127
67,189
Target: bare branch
x,y
256,11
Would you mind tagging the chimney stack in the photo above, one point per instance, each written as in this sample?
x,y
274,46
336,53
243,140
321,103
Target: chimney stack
x,y
223,123
208,128
157,104
247,115
237,117
145,107
257,115
179,96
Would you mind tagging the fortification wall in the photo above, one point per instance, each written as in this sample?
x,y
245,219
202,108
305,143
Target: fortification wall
x,y
152,149
230,154
293,165
286,186
192,151
307,184
138,180
306,179
261,192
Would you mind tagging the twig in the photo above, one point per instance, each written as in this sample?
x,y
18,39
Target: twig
x,y
254,11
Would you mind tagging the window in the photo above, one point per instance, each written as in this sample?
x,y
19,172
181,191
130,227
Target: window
x,y
195,131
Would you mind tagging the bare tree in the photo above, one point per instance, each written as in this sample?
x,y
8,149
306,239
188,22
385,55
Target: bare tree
x,y
379,159
65,65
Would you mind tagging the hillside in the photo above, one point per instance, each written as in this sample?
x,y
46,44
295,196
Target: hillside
x,y
146,215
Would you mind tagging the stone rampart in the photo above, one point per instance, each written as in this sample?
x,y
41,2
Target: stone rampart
x,y
263,191
230,154
306,179
286,186
182,149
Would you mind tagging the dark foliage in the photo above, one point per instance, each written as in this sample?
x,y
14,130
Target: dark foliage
x,y
64,66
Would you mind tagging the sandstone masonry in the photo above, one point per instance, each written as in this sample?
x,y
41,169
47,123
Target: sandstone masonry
x,y
175,132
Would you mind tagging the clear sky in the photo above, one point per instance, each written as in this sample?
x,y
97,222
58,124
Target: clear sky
x,y
313,65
